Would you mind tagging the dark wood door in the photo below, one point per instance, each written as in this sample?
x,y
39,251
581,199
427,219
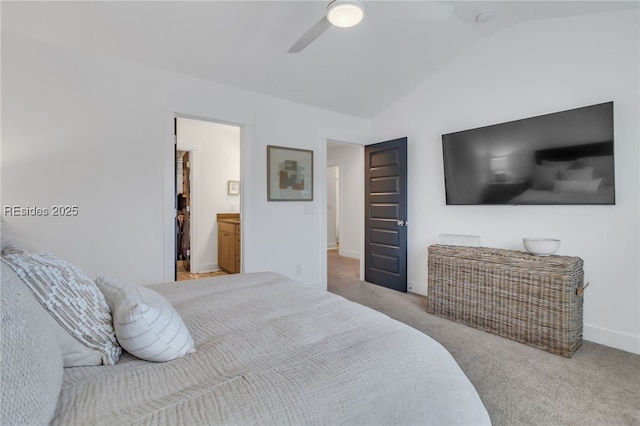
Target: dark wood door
x,y
386,214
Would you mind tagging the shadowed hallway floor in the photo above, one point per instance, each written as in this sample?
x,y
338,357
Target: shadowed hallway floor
x,y
183,273
519,384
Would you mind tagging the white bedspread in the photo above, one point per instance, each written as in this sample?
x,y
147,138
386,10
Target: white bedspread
x,y
272,351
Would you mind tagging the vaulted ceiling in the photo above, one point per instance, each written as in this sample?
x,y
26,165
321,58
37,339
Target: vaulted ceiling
x,y
356,71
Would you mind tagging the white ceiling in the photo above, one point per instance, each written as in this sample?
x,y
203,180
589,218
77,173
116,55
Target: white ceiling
x,y
357,71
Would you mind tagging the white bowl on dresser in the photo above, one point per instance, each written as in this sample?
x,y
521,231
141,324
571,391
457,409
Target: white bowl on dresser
x,y
541,246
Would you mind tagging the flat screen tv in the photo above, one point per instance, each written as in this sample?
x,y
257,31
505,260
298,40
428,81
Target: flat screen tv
x,y
560,158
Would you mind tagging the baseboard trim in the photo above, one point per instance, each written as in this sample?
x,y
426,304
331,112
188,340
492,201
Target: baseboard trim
x,y
615,339
332,246
316,285
349,253
417,288
207,267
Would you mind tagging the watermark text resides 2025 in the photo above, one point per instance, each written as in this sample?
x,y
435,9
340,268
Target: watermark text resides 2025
x,y
35,211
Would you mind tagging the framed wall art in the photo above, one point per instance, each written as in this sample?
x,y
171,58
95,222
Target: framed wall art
x,y
289,174
233,187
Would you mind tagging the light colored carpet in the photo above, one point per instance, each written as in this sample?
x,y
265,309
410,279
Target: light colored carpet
x,y
518,384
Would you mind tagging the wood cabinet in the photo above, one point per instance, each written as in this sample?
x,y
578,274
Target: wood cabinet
x,y
229,242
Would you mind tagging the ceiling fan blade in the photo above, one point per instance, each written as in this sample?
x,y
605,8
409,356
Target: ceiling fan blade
x,y
313,33
427,10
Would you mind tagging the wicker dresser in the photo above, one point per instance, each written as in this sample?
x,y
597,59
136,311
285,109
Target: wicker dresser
x,y
535,300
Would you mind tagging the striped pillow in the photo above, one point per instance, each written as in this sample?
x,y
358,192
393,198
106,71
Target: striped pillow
x,y
146,324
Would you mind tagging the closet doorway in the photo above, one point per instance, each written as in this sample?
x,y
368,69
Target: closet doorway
x,y
207,184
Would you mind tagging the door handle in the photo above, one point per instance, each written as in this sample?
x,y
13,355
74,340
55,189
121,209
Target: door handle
x,y
402,223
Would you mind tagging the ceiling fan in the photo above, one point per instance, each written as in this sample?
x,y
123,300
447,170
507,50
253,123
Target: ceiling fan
x,y
348,13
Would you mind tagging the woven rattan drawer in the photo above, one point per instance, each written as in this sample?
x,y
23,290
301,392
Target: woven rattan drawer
x,y
535,300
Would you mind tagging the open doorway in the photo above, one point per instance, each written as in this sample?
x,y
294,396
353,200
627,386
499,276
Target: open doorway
x,y
207,186
345,207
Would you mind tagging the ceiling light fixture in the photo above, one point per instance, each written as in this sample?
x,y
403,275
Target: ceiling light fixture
x,y
345,13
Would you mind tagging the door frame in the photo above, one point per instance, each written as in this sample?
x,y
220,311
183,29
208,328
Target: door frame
x,y
169,181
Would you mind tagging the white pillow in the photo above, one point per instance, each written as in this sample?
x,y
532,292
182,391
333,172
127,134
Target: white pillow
x,y
545,176
31,368
12,239
585,173
74,301
147,325
603,167
579,186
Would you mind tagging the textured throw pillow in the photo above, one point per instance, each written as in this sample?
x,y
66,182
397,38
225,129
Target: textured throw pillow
x,y
74,301
31,364
586,173
147,325
579,186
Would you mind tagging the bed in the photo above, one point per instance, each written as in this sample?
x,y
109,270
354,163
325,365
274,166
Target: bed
x,y
267,350
578,174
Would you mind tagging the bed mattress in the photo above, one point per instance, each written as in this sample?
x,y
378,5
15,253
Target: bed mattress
x,y
271,351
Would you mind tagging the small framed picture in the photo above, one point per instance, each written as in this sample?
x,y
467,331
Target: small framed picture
x,y
233,187
289,174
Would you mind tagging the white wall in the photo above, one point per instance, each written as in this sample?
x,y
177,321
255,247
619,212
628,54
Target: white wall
x,y
98,133
215,159
533,69
350,158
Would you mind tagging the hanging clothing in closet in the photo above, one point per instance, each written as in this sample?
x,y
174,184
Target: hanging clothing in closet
x,y
182,230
